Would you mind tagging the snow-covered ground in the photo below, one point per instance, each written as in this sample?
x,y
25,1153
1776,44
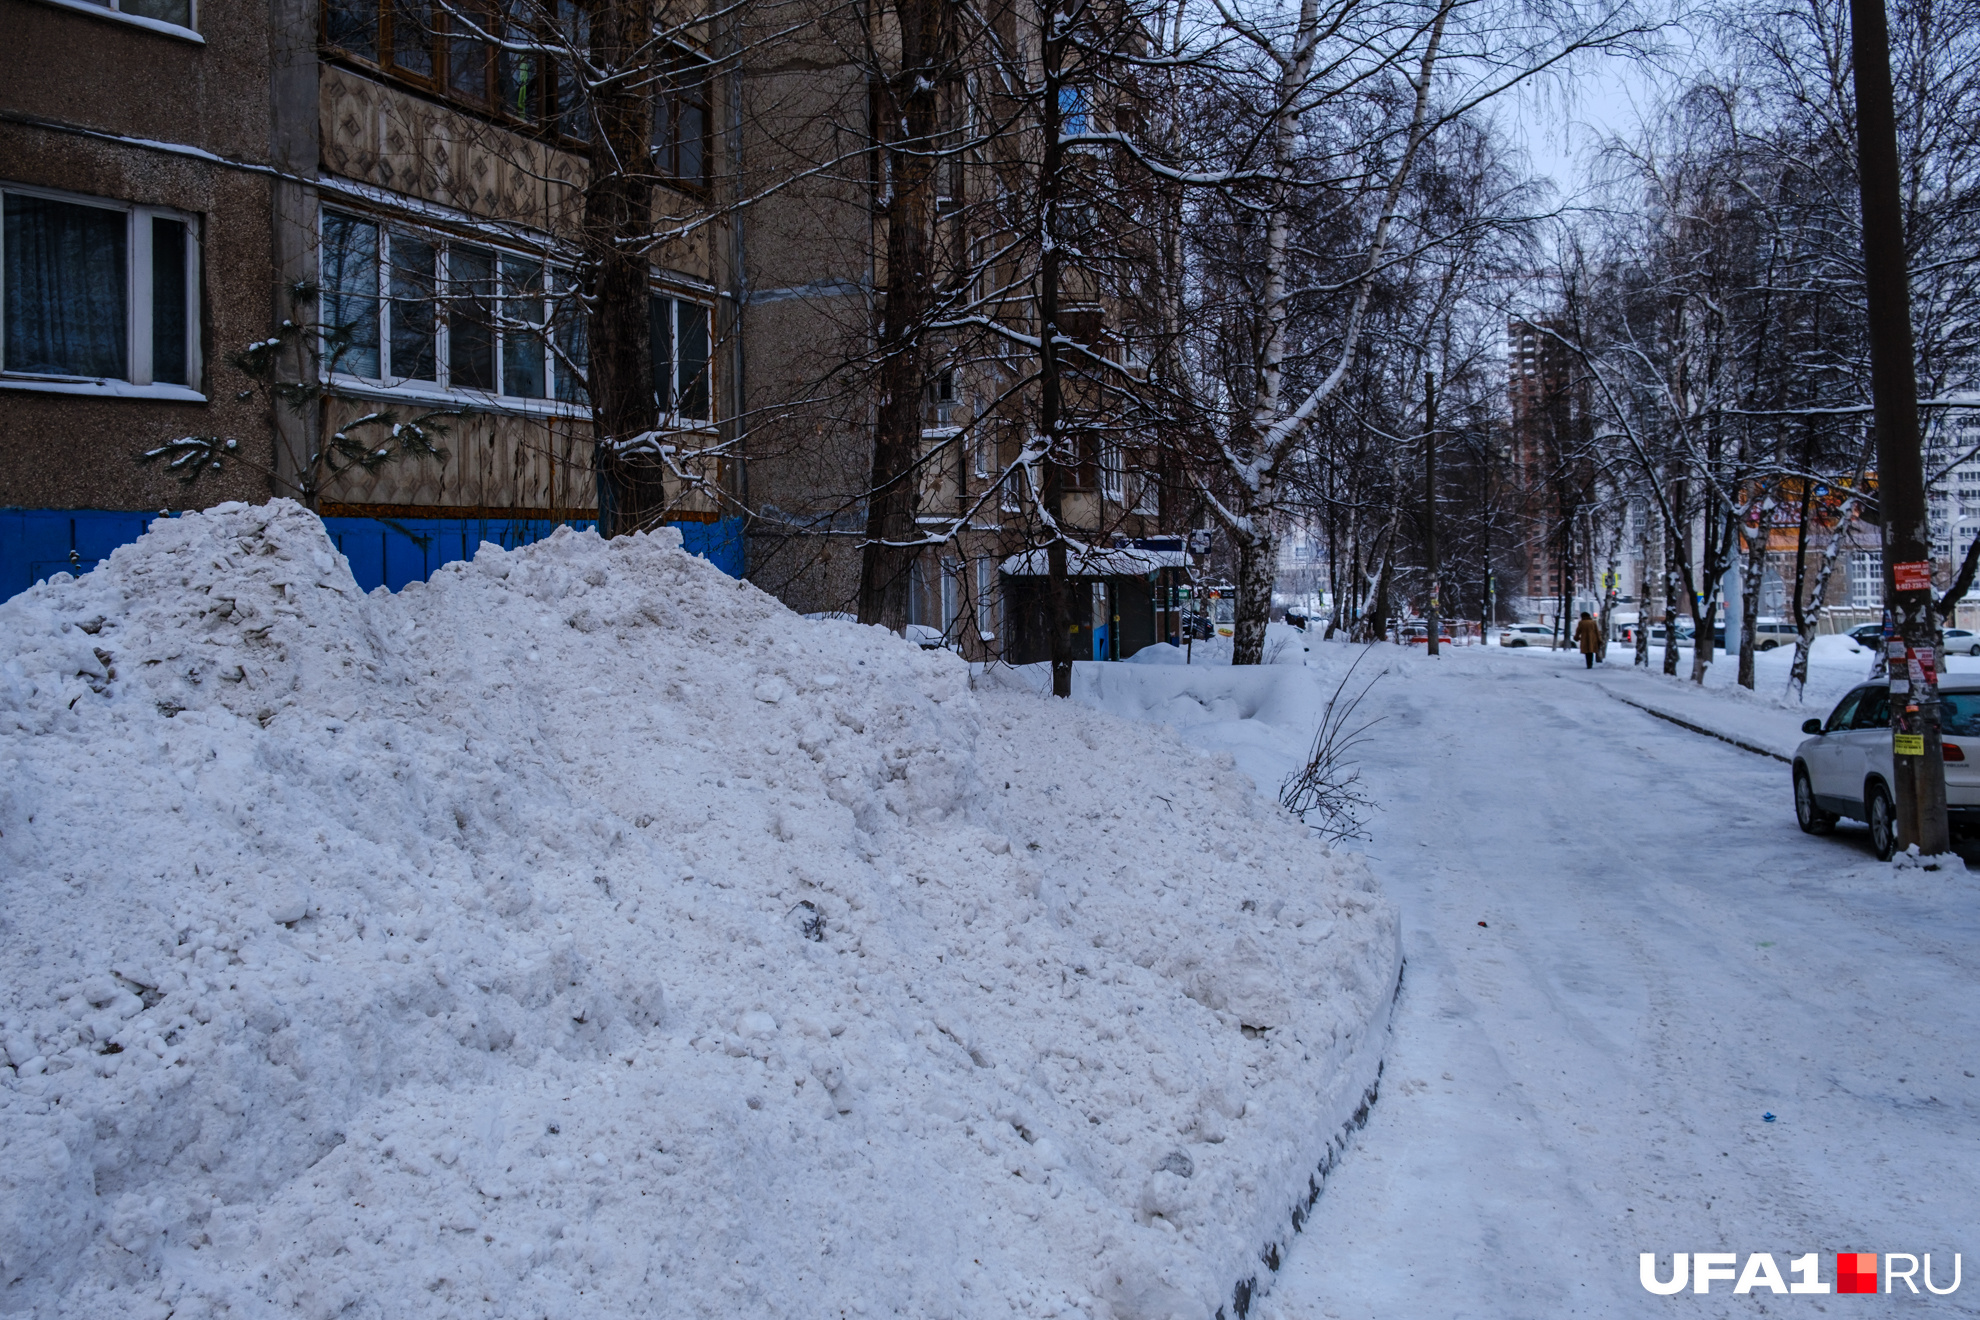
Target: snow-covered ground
x,y
582,934
1622,958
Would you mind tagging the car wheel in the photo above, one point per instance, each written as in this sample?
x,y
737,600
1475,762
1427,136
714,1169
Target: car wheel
x,y
1975,650
1520,642
1883,821
1813,819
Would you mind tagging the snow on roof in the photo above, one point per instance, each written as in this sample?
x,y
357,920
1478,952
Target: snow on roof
x,y
583,924
1097,561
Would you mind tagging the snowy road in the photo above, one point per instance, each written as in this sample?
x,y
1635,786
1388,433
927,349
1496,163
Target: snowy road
x,y
1621,956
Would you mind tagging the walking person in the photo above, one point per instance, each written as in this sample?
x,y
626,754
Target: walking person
x,y
1589,634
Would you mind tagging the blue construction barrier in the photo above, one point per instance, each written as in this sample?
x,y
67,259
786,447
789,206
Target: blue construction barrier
x,y
388,552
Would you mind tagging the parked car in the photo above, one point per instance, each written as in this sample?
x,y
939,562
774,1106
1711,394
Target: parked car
x,y
1685,629
1959,641
1526,634
1418,634
1771,633
1843,768
1867,634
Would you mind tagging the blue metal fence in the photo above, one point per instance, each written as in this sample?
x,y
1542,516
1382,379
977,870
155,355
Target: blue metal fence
x,y
385,552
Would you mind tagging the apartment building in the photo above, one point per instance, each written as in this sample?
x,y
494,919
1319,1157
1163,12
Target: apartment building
x,y
180,179
382,198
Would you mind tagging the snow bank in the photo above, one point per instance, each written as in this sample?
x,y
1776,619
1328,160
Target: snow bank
x,y
582,933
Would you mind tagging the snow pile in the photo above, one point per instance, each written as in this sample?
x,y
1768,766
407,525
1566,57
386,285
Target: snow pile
x,y
582,933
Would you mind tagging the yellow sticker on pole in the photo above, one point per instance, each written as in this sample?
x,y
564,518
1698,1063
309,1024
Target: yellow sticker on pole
x,y
1908,744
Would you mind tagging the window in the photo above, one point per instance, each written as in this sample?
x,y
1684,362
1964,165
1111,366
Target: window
x,y
986,602
157,14
1874,710
1866,579
1959,714
97,291
573,34
680,126
941,396
1113,468
1073,113
401,307
952,596
680,358
446,46
1147,486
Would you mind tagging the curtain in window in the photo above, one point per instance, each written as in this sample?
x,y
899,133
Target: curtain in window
x,y
349,263
66,304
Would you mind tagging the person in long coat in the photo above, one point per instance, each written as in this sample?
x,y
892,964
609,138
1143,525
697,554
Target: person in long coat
x,y
1589,634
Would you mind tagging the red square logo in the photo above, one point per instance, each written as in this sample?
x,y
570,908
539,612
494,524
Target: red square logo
x,y
1856,1272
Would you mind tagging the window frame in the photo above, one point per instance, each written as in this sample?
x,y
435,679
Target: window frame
x,y
139,350
558,294
672,95
670,414
559,284
540,117
110,9
1866,588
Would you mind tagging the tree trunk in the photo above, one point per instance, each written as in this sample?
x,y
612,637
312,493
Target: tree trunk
x,y
1257,570
1670,601
1749,590
906,120
1432,616
618,214
1051,410
1642,656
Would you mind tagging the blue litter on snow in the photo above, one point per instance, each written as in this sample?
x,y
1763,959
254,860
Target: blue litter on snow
x,y
1766,1118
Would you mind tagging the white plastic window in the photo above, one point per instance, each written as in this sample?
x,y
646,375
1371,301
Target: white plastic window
x,y
98,294
410,310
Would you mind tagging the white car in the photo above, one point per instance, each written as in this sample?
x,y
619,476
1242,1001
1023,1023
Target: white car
x,y
1844,768
1526,634
1959,641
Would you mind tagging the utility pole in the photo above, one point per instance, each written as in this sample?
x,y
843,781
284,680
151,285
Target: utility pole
x,y
1913,652
1430,502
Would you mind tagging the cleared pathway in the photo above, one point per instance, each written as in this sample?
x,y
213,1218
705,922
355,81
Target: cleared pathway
x,y
1623,956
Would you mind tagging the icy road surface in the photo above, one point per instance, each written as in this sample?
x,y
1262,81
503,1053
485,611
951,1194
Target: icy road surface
x,y
1622,955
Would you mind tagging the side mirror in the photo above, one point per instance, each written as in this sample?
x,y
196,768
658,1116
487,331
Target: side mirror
x,y
1811,726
